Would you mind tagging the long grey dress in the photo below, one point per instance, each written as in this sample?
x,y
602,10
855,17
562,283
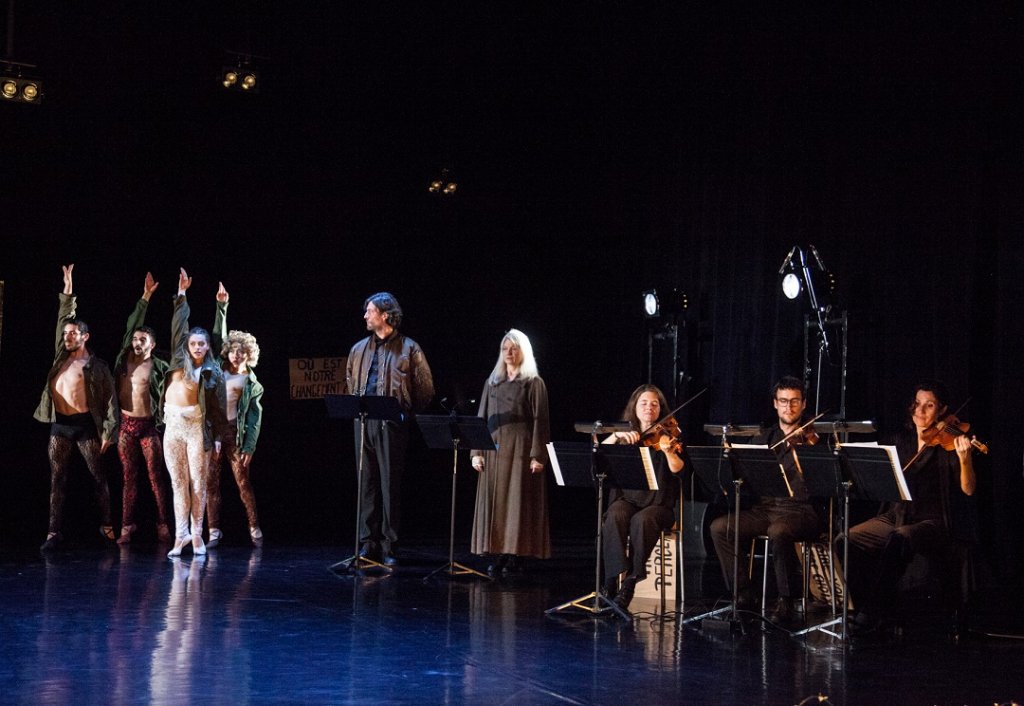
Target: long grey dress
x,y
512,503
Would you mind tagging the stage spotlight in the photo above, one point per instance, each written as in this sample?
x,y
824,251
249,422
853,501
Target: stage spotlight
x,y
21,90
241,77
652,308
791,285
800,275
445,184
240,71
672,304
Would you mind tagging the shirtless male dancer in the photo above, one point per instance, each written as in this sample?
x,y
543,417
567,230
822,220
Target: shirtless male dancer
x,y
78,402
140,383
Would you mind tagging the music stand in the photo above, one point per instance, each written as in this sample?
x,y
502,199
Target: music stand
x,y
361,407
452,431
872,472
577,464
823,478
711,464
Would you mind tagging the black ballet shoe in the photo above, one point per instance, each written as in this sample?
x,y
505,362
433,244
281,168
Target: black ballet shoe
x,y
52,540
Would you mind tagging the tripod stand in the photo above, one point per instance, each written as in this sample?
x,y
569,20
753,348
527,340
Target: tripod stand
x,y
455,432
361,407
583,465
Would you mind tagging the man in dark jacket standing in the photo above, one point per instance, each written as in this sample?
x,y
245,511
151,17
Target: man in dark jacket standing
x,y
386,363
80,405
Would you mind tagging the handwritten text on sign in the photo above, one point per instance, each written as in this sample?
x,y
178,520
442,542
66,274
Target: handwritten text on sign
x,y
312,378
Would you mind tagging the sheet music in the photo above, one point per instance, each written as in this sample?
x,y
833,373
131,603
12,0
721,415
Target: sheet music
x,y
748,446
645,456
550,446
894,461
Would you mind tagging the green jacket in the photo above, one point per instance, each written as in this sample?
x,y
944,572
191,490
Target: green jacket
x,y
158,373
213,401
99,383
250,407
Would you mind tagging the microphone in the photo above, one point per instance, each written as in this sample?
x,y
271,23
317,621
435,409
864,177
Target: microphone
x,y
789,259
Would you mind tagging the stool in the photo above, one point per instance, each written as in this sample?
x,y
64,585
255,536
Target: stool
x,y
805,549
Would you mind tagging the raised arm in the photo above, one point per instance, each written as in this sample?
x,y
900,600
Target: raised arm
x,y
179,319
66,308
138,316
220,320
149,286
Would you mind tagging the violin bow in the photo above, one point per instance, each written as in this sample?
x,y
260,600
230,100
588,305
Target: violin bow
x,y
672,413
797,430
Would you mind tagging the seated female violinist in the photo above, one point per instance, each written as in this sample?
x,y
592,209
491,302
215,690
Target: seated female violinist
x,y
881,548
639,516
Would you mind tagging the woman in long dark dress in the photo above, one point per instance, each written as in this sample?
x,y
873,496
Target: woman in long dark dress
x,y
511,518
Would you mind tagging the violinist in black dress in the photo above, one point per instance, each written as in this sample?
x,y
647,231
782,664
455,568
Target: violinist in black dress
x,y
635,518
882,547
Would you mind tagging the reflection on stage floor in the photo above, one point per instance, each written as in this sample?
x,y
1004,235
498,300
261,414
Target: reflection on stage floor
x,y
242,625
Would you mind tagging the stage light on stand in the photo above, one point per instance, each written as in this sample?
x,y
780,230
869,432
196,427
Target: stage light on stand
x,y
672,304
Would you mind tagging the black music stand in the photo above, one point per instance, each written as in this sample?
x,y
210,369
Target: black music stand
x,y
578,464
712,465
361,407
823,478
874,473
452,431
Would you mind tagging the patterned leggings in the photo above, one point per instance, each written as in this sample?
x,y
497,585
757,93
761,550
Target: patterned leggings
x,y
139,441
230,451
59,451
187,463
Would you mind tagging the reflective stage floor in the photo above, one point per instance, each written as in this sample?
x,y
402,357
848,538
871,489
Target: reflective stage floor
x,y
97,625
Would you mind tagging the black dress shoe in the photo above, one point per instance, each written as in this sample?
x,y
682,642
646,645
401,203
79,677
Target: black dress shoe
x,y
497,567
746,599
625,595
862,624
370,551
51,542
513,565
611,586
390,559
782,613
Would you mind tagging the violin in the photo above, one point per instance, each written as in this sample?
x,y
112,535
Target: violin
x,y
666,427
804,437
945,432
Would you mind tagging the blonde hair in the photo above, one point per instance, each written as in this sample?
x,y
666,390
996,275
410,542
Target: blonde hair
x,y
244,340
527,369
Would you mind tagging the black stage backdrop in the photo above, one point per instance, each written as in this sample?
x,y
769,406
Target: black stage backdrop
x,y
600,149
